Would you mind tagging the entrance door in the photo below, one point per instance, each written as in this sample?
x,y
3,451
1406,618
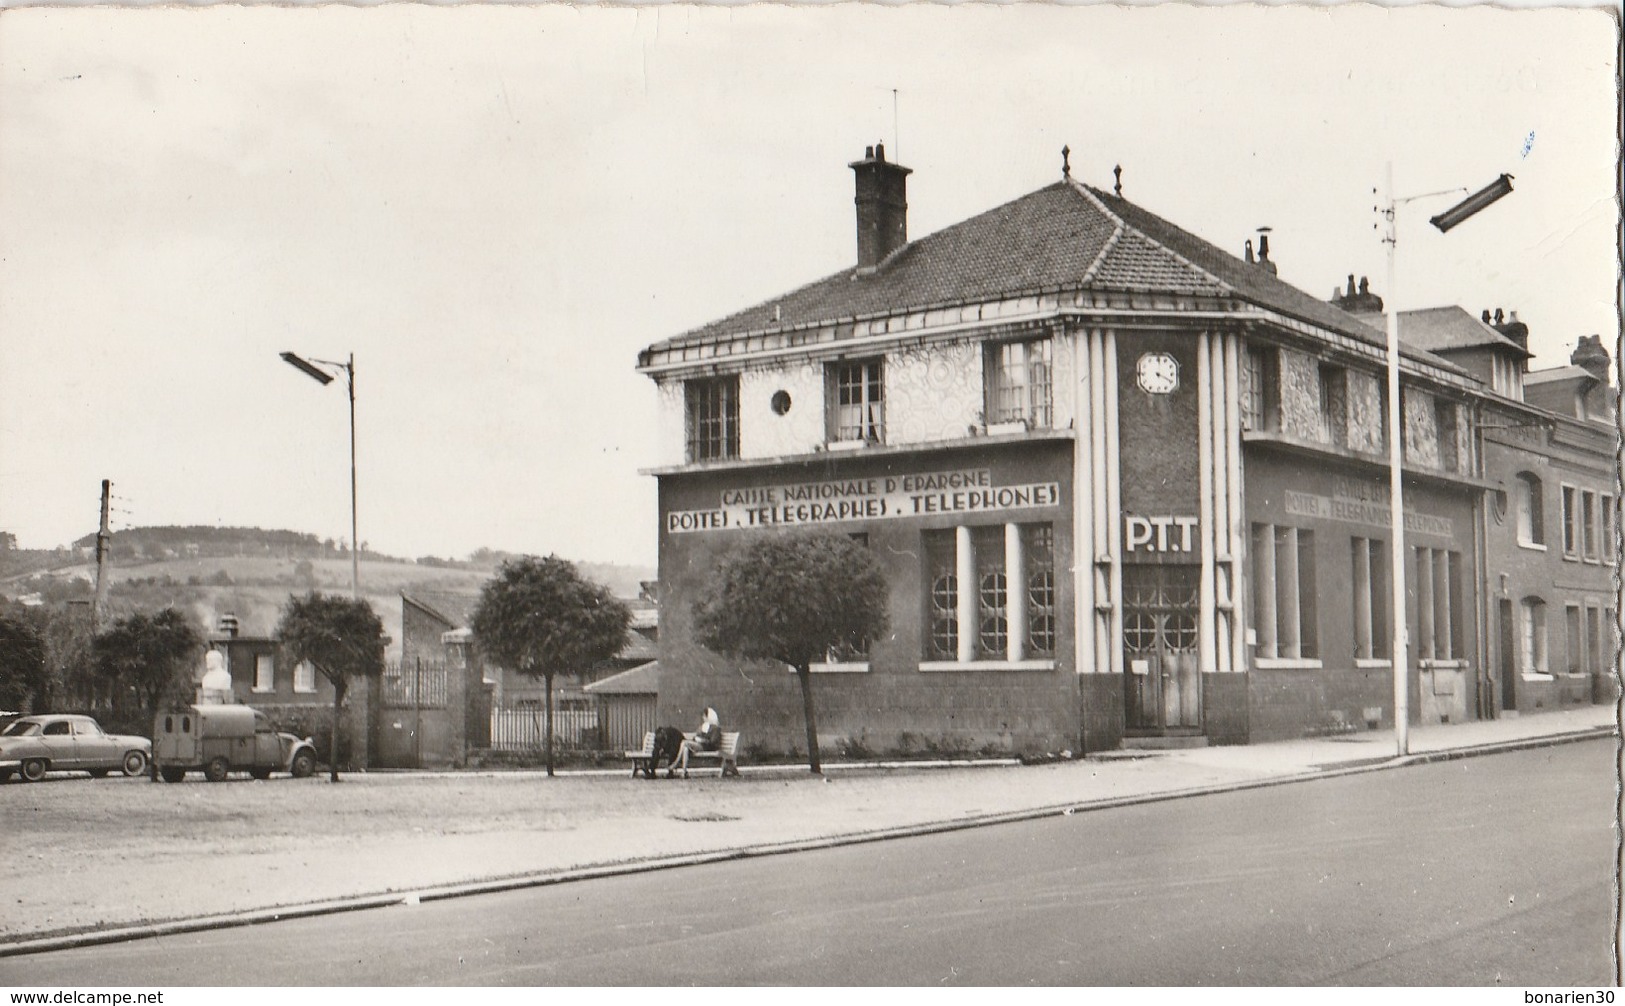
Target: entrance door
x,y
1163,681
1508,655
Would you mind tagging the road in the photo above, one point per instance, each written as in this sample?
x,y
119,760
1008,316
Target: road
x,y
1483,871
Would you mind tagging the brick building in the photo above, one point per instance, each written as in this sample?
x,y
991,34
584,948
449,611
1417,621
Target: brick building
x,y
1128,487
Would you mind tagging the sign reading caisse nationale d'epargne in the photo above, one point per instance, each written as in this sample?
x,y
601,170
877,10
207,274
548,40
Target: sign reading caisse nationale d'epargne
x,y
879,498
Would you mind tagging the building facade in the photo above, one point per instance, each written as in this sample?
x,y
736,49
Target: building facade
x,y
1125,486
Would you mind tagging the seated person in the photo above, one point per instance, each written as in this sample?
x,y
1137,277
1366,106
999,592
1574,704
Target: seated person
x,y
707,738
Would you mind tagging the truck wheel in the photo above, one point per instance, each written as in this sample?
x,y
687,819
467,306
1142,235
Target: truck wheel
x,y
135,763
303,765
33,770
172,774
216,770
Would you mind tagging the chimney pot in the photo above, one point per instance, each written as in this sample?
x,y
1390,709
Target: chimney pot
x,y
1499,318
1351,285
1485,317
880,151
1249,251
1365,286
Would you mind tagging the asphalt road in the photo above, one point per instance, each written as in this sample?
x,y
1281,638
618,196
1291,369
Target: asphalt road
x,y
1483,871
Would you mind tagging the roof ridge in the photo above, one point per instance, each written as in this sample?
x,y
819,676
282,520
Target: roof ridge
x,y
1111,242
1095,197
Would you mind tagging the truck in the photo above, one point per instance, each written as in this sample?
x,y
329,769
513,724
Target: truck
x,y
220,739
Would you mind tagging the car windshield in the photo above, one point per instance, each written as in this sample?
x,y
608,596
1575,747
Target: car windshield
x,y
21,728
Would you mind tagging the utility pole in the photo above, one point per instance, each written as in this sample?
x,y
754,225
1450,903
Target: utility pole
x,y
104,544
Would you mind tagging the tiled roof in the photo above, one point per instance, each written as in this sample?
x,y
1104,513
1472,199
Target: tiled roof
x,y
1441,329
1553,374
641,680
637,647
455,609
1063,236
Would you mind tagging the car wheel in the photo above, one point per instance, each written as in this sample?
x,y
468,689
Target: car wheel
x,y
33,770
216,770
98,773
304,763
135,763
172,774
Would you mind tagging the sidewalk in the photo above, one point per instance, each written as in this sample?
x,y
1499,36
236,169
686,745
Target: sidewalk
x,y
590,824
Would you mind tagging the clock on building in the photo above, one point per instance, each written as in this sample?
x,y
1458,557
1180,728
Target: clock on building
x,y
1158,373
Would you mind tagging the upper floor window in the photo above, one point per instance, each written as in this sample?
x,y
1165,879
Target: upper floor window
x,y
1506,376
713,418
1444,420
1334,405
1530,507
1571,522
857,401
1019,383
1260,391
304,676
1588,526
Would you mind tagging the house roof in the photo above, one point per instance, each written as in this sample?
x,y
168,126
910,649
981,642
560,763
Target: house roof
x,y
641,680
1443,329
637,647
1063,236
454,608
1552,375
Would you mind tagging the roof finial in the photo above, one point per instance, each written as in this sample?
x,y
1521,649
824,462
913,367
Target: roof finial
x,y
1066,162
1117,184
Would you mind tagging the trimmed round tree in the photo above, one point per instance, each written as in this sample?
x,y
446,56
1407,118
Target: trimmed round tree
x,y
541,618
148,654
792,598
343,638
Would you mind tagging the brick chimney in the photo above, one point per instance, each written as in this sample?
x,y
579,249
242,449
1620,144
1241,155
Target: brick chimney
x,y
882,200
1514,329
1590,355
1357,301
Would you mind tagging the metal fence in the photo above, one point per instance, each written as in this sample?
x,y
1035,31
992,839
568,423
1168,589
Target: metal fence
x,y
522,729
419,685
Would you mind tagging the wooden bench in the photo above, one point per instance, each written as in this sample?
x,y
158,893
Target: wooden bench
x,y
726,755
643,761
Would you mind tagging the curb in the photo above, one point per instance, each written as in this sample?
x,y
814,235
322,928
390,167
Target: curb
x,y
356,903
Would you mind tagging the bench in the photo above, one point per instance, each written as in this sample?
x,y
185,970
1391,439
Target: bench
x,y
643,761
726,756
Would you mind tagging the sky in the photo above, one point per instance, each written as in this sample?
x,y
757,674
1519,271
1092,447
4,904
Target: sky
x,y
495,208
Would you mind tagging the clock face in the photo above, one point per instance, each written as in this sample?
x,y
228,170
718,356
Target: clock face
x,y
1158,373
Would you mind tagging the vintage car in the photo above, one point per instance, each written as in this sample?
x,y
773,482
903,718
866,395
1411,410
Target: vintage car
x,y
219,739
34,745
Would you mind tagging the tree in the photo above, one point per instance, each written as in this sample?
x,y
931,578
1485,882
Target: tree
x,y
23,672
147,654
792,598
342,638
541,618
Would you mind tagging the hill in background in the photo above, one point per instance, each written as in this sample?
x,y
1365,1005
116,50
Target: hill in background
x,y
250,573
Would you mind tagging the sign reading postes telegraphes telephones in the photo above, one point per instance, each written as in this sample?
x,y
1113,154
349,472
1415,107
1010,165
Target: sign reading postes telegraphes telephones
x,y
885,497
1168,533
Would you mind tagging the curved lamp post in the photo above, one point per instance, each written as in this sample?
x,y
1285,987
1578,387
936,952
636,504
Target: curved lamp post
x,y
1457,214
311,369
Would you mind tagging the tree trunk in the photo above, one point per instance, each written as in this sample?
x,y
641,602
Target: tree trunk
x,y
804,672
333,743
549,680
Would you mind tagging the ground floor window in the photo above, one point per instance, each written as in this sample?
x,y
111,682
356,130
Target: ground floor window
x,y
1439,609
990,593
264,672
304,676
1532,635
1283,608
1372,590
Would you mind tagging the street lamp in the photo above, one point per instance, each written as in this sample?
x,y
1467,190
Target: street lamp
x,y
1457,214
310,369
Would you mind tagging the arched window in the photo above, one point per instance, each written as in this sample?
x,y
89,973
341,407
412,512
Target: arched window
x,y
1532,635
1531,507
